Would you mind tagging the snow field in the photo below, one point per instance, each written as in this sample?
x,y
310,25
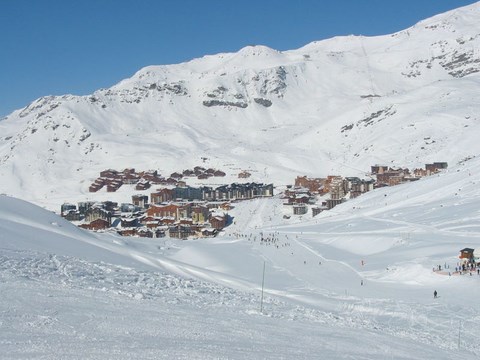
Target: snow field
x,y
122,287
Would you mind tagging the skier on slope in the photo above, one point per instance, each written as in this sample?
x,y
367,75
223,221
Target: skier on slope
x,y
435,294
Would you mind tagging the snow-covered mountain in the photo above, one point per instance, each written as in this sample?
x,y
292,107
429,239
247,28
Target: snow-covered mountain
x,y
331,107
352,282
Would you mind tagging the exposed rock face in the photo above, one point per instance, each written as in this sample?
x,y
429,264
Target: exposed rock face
x,y
263,102
209,103
460,64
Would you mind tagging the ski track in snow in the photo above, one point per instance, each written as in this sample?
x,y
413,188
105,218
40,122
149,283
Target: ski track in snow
x,y
424,324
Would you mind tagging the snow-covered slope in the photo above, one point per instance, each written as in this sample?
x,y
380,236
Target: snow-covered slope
x,y
103,296
334,106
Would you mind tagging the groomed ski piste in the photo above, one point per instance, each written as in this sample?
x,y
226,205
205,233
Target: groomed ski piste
x,y
355,282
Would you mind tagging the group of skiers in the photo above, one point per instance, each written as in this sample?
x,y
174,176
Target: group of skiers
x,y
266,239
472,267
460,268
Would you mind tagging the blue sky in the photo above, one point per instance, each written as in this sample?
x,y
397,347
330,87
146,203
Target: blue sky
x,y
55,47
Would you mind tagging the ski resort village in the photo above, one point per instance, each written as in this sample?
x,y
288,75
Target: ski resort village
x,y
177,210
316,200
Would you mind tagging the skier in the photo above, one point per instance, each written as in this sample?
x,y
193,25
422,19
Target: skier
x,y
435,294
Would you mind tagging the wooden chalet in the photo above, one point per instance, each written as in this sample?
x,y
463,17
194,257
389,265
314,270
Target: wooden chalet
x,y
162,195
97,185
110,174
98,224
218,221
467,254
312,184
113,185
176,211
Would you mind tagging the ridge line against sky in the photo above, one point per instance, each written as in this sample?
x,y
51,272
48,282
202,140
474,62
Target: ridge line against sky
x,y
56,47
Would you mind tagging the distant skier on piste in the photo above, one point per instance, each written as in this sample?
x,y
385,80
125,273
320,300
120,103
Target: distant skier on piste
x,y
435,294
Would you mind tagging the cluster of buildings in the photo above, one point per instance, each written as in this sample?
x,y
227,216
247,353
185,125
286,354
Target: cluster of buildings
x,y
182,211
143,180
179,212
387,176
180,219
113,179
303,195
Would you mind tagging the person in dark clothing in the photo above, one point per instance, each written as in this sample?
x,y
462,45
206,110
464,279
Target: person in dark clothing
x,y
435,294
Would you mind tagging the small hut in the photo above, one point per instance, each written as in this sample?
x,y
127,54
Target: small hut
x,y
466,255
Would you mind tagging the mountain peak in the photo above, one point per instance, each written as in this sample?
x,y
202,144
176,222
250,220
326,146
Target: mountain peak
x,y
258,50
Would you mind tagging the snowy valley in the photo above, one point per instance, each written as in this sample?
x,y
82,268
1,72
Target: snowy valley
x,y
356,281
100,295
